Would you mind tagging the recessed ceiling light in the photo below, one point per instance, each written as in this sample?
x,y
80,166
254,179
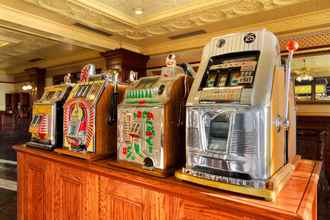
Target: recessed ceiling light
x,y
138,11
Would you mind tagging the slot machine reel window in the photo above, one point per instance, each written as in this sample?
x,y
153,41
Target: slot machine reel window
x,y
231,70
83,91
147,83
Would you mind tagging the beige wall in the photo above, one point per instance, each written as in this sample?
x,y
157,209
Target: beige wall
x,y
5,88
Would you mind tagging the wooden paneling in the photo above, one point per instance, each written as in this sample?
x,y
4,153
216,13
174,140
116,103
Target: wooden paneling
x,y
70,188
75,194
313,139
125,61
124,203
35,183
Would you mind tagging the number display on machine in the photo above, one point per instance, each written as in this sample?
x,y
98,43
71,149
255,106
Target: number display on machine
x,y
225,76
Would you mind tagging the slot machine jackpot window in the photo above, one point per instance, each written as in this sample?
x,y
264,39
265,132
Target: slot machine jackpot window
x,y
229,70
218,130
147,83
83,91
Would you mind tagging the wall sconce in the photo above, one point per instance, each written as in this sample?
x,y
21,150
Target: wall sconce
x,y
30,87
304,77
27,87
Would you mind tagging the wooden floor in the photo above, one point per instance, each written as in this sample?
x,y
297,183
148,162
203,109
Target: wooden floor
x,y
8,180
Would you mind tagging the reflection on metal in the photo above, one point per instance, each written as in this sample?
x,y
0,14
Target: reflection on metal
x,y
228,127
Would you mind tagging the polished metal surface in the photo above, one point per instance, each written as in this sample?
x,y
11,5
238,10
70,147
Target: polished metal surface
x,y
230,141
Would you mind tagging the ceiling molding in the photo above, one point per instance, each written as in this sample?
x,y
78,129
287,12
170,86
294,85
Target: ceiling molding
x,y
307,22
60,31
193,15
77,57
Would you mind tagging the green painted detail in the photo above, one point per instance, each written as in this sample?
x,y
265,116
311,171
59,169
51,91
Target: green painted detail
x,y
150,148
132,101
144,114
137,148
149,128
150,141
129,152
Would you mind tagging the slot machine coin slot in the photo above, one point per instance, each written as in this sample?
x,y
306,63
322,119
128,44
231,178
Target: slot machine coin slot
x,y
148,163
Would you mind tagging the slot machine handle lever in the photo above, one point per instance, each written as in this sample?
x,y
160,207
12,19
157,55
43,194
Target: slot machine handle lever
x,y
292,46
113,108
114,100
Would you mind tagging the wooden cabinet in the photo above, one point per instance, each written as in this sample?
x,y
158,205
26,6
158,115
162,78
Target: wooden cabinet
x,y
120,200
56,187
35,188
49,190
75,194
125,61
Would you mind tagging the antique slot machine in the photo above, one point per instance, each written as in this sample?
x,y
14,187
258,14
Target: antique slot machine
x,y
88,131
150,120
46,125
237,116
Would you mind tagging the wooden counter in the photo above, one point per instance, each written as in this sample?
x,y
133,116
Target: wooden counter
x,y
52,186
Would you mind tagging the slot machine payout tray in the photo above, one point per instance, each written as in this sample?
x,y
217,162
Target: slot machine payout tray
x,y
135,167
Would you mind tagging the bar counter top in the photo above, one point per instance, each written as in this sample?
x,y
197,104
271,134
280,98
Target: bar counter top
x,y
175,199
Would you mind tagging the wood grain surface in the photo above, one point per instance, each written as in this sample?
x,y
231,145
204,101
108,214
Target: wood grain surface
x,y
71,188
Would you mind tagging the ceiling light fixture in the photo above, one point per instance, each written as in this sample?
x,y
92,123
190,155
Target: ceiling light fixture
x,y
138,11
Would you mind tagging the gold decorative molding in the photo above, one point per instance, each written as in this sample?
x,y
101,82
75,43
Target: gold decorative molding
x,y
310,40
191,14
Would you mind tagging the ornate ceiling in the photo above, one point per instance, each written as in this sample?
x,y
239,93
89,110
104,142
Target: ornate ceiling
x,y
17,49
47,28
161,16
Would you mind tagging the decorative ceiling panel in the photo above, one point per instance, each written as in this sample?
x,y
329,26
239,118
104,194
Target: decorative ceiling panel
x,y
160,16
21,47
20,44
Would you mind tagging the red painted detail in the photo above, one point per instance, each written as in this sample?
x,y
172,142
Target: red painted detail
x,y
150,115
124,150
142,102
134,135
43,127
139,114
148,133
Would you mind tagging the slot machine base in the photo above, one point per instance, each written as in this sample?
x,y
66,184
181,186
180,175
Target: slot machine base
x,y
40,146
87,156
273,185
139,168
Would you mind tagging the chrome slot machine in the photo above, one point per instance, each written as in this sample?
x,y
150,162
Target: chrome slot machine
x,y
46,126
151,122
236,116
86,116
